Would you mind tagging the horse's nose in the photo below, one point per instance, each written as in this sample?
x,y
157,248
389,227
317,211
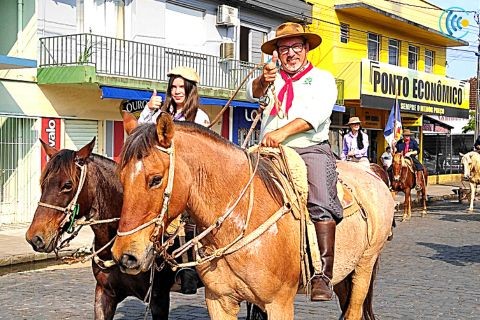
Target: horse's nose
x,y
129,261
466,177
37,243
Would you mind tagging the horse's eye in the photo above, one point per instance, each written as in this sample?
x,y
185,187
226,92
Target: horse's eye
x,y
155,181
67,186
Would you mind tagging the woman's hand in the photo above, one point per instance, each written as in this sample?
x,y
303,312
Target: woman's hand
x,y
155,101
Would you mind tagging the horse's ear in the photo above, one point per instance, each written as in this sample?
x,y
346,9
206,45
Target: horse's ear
x,y
165,129
83,154
49,150
129,121
461,154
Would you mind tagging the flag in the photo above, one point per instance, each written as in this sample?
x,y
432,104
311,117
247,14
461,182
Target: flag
x,y
393,129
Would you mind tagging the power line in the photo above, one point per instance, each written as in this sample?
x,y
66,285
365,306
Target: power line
x,y
429,8
303,16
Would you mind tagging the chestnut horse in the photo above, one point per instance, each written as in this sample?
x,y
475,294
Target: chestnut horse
x,y
403,179
100,198
168,168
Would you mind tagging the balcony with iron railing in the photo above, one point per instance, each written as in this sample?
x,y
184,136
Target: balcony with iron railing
x,y
114,57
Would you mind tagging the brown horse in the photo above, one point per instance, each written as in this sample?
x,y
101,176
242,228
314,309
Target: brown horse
x,y
168,168
99,198
403,179
380,172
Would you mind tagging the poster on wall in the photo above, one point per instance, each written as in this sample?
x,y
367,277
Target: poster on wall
x,y
50,134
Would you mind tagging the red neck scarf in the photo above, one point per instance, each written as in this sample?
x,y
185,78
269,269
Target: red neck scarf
x,y
407,146
288,88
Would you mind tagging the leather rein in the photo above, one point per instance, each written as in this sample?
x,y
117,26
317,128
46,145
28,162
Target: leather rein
x,y
160,245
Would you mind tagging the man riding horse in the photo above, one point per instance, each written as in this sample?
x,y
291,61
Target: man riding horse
x,y
298,116
409,148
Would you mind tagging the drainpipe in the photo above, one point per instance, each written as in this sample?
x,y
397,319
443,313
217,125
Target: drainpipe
x,y
19,24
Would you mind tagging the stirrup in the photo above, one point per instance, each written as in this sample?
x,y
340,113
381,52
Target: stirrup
x,y
324,295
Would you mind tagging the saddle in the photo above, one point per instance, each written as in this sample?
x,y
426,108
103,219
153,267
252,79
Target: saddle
x,y
290,175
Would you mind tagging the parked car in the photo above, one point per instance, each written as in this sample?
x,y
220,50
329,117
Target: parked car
x,y
454,164
430,162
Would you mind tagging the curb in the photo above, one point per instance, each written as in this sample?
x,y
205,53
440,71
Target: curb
x,y
430,199
24,258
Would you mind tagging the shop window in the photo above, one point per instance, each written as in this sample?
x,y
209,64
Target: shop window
x,y
429,60
412,57
394,52
373,46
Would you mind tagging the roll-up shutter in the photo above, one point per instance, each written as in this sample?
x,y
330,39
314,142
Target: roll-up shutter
x,y
78,133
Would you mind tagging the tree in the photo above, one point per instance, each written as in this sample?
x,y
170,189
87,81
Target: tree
x,y
470,126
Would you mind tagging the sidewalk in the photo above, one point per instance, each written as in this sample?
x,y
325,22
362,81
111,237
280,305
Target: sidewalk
x,y
15,250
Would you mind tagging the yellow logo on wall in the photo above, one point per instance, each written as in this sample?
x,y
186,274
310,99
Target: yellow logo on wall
x,y
417,91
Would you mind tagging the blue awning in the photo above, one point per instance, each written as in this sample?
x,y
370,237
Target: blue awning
x,y
9,62
134,94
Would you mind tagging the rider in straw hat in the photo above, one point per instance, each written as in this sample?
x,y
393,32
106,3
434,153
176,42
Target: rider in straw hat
x,y
355,143
298,116
181,99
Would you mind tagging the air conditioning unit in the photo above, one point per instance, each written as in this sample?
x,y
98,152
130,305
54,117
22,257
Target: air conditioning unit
x,y
226,15
227,50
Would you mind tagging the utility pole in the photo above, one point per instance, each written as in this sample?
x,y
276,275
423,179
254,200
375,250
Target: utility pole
x,y
477,106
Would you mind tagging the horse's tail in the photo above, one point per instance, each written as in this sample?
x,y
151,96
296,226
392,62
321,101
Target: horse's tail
x,y
368,303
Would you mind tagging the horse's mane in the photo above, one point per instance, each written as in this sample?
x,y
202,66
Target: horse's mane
x,y
64,162
144,138
475,158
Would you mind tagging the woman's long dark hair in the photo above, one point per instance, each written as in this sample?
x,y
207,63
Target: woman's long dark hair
x,y
359,138
192,100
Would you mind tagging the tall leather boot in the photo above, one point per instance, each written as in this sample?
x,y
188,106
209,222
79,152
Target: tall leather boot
x,y
322,288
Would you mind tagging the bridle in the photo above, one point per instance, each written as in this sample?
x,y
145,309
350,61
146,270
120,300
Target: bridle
x,y
75,225
72,208
167,193
401,176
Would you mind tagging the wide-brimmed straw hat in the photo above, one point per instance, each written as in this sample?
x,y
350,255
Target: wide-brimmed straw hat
x,y
186,73
407,132
288,30
353,120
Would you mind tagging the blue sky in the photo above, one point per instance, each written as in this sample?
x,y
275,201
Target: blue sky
x,y
463,65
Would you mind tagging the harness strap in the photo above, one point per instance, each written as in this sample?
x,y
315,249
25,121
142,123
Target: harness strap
x,y
158,221
196,240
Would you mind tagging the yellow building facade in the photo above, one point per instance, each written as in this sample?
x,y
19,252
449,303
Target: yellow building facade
x,y
388,51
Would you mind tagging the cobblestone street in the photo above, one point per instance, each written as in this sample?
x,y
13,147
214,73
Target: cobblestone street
x,y
431,270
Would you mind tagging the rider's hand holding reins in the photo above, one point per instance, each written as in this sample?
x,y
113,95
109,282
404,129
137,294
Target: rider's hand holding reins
x,y
155,101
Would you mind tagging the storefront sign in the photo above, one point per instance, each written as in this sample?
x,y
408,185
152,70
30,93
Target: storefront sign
x,y
135,107
416,91
50,134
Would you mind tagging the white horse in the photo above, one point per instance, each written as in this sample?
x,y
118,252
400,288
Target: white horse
x,y
471,172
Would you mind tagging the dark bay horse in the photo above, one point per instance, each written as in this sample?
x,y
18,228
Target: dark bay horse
x,y
403,179
100,198
168,168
